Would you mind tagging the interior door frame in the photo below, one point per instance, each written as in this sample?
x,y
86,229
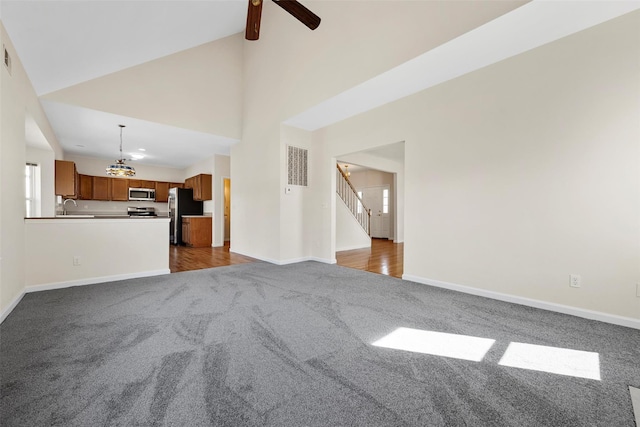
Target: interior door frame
x,y
391,217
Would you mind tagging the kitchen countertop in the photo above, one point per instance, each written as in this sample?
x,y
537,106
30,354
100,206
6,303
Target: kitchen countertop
x,y
196,216
82,217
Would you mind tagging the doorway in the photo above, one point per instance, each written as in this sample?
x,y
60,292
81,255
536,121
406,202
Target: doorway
x,y
227,209
377,199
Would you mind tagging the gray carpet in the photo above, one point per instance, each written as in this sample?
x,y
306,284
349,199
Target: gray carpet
x,y
264,345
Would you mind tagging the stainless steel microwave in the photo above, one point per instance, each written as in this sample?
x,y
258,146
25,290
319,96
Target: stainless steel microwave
x,y
146,194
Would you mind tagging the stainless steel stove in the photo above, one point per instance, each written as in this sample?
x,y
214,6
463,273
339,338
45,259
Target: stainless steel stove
x,y
141,211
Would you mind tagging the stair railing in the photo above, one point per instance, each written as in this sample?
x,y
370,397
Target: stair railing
x,y
349,196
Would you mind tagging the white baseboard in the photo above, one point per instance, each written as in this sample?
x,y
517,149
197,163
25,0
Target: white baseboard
x,y
94,280
8,309
287,261
323,260
559,308
351,248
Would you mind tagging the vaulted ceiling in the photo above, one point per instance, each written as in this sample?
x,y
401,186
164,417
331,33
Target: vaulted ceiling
x,y
99,63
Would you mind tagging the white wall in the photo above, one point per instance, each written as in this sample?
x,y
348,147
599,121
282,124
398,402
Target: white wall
x,y
198,88
349,233
96,167
52,244
17,102
291,69
524,172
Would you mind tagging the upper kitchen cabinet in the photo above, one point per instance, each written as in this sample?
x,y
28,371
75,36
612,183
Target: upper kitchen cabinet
x,y
120,189
141,183
66,179
102,188
85,190
162,191
201,185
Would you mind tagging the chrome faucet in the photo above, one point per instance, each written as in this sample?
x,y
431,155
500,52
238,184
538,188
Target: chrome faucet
x,y
64,211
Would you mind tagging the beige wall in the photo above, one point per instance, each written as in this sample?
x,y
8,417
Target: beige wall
x,y
291,69
198,89
52,244
349,233
524,172
17,100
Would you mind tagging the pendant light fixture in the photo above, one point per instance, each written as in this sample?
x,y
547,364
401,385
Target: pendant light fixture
x,y
346,171
119,168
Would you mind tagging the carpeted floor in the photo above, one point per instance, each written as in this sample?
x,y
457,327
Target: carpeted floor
x,y
264,345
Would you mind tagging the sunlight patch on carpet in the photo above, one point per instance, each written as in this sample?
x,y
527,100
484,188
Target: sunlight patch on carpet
x,y
437,343
635,400
562,361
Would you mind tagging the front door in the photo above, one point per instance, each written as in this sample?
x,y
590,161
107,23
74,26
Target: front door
x,y
377,199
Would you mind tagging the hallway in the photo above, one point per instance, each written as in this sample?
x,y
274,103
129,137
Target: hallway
x,y
384,257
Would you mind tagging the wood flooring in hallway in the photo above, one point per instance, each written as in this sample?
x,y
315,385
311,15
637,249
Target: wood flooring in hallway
x,y
384,257
183,258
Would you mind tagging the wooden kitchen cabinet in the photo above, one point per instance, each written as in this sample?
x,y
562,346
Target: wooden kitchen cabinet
x,y
120,189
101,188
201,185
176,185
141,183
85,190
162,191
66,179
196,231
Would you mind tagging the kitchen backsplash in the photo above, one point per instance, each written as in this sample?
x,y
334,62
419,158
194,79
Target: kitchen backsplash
x,y
97,207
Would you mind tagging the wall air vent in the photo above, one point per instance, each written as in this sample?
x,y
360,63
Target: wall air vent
x,y
7,59
297,165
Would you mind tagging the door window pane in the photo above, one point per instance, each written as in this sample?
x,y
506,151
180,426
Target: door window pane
x,y
385,200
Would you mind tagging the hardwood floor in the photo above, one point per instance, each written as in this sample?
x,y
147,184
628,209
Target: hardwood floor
x,y
384,257
182,258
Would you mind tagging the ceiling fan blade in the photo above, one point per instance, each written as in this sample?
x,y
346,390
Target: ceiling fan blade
x,y
300,12
252,31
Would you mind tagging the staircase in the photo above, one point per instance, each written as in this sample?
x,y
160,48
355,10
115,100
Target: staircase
x,y
350,197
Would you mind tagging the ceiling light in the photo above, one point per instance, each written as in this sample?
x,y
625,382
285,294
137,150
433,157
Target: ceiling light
x,y
141,149
136,156
346,171
119,168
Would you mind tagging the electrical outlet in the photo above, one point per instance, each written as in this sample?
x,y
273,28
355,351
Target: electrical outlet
x,y
76,260
574,280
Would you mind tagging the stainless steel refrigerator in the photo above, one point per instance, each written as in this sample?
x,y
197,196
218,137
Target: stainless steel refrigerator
x,y
181,203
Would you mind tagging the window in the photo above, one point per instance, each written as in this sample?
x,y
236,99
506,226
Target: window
x,y
359,208
385,200
31,173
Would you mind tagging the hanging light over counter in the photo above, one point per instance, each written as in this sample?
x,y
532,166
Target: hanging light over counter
x,y
119,168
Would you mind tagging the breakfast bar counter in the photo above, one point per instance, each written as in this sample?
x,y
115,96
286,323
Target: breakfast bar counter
x,y
79,250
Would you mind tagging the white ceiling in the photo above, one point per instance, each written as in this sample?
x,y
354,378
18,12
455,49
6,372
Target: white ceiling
x,y
63,43
92,133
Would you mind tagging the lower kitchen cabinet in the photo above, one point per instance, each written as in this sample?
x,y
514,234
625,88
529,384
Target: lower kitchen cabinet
x,y
196,231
